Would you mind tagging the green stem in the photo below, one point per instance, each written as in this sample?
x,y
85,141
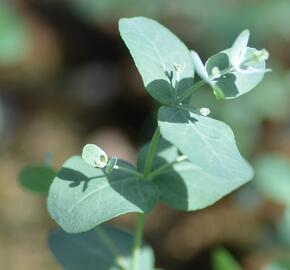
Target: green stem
x,y
151,152
140,216
111,247
201,83
190,90
137,241
164,167
124,169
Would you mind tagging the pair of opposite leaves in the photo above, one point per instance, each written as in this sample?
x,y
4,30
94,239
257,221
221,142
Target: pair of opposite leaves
x,y
157,51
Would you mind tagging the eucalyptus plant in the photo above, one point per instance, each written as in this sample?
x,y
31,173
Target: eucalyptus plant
x,y
191,162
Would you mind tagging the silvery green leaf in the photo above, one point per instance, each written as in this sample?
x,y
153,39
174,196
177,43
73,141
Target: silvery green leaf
x,y
182,184
82,197
155,51
208,143
94,156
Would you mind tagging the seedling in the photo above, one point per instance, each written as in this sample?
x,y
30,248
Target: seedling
x,y
191,162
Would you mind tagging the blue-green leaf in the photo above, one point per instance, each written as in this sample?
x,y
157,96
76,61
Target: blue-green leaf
x,y
208,143
155,51
81,197
183,185
104,248
36,178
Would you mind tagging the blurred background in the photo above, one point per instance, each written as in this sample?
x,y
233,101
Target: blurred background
x,y
66,79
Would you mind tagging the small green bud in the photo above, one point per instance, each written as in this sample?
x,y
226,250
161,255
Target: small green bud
x,y
111,164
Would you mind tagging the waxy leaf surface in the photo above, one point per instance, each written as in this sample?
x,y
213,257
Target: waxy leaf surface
x,y
155,50
208,143
81,197
183,185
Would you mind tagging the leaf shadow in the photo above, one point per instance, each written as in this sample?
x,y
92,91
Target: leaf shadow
x,y
181,114
88,250
173,189
139,193
75,178
170,183
163,92
227,83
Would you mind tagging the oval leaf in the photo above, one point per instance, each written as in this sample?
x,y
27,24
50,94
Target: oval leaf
x,y
36,178
155,50
208,143
81,197
88,251
183,185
